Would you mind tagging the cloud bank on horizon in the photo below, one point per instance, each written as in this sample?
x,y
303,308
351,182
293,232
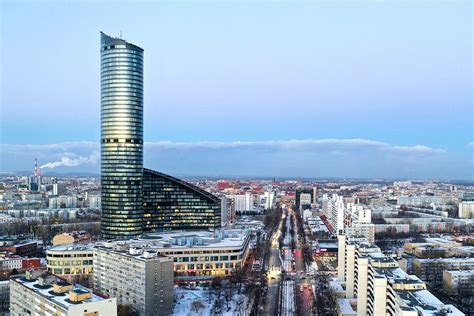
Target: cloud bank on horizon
x,y
355,158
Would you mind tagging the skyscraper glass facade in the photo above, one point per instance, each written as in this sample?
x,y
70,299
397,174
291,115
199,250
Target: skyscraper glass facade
x,y
121,138
173,204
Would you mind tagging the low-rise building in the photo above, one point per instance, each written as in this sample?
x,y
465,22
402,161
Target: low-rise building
x,y
202,254
37,293
73,262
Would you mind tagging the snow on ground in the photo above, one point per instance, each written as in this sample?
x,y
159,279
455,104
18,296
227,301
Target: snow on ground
x,y
186,296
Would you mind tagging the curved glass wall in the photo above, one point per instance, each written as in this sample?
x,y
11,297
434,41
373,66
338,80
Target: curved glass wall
x,y
121,138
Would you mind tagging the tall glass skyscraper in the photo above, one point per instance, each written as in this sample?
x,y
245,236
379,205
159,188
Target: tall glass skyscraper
x,y
121,138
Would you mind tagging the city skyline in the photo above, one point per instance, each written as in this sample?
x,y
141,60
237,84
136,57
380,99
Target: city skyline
x,y
226,105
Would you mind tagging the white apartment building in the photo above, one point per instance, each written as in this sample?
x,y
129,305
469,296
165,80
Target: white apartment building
x,y
333,208
54,202
94,201
138,277
454,281
38,293
244,202
379,286
269,199
466,209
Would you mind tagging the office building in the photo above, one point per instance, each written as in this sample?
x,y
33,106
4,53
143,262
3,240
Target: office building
x,y
135,276
173,204
73,262
121,138
38,293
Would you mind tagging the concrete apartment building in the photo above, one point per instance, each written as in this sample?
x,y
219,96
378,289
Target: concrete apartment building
x,y
458,282
466,209
73,262
38,293
431,270
137,277
378,286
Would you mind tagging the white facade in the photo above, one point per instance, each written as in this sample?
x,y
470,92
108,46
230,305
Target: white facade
x,y
244,202
380,286
333,208
466,209
269,199
94,201
138,277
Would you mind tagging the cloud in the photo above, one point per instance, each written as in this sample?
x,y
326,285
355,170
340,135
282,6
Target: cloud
x,y
73,162
295,145
471,144
291,158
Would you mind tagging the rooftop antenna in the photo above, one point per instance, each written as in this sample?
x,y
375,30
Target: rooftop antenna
x,y
121,34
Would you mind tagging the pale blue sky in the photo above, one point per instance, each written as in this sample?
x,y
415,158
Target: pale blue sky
x,y
397,73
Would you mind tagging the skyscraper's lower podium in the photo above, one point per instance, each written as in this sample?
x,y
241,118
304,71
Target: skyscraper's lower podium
x,y
173,204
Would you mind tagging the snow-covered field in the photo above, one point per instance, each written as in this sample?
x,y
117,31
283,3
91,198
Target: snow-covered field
x,y
200,301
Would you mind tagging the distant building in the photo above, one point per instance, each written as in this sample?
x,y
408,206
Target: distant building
x,y
14,262
244,202
44,294
71,238
458,282
24,248
431,270
306,201
137,277
466,209
334,209
94,201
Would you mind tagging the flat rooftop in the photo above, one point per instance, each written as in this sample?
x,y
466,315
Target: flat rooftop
x,y
59,299
426,303
72,247
198,239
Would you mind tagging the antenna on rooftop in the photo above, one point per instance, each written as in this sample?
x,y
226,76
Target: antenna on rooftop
x,y
121,34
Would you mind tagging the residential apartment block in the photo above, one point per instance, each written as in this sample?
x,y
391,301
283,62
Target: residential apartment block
x,y
378,286
135,276
38,293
